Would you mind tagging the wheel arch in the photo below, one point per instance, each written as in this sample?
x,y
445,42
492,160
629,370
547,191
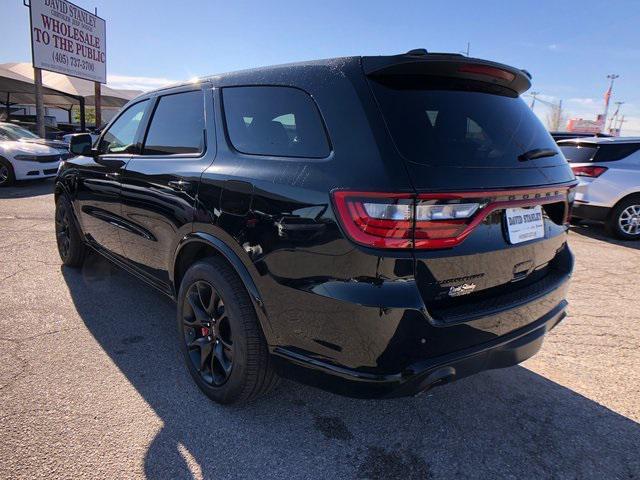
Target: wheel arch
x,y
12,170
198,245
632,194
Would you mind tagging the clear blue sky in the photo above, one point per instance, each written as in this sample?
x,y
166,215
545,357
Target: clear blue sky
x,y
568,46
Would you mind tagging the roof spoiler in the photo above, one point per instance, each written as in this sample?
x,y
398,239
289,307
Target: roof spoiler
x,y
421,62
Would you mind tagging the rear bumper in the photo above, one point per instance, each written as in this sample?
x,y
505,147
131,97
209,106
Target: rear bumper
x,y
589,212
504,351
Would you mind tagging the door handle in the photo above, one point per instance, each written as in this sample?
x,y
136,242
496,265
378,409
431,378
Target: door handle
x,y
180,185
112,175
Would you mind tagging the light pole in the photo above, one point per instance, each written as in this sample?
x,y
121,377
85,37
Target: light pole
x,y
607,97
615,114
533,98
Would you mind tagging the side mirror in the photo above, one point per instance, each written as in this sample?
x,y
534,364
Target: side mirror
x,y
80,144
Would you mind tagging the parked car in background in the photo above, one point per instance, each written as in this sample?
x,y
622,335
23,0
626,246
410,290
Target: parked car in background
x,y
50,132
557,136
22,160
609,190
374,226
94,136
18,133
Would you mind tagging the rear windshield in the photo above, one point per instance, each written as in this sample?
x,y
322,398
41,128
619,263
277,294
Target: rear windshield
x,y
450,122
589,152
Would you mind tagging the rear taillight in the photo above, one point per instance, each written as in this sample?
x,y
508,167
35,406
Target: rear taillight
x,y
432,220
385,220
441,220
381,220
593,172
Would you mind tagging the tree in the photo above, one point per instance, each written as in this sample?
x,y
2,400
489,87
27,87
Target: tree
x,y
89,113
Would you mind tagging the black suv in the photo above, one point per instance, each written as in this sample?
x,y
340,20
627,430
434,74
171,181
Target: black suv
x,y
373,226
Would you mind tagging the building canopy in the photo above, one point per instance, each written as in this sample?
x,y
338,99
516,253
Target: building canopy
x,y
17,87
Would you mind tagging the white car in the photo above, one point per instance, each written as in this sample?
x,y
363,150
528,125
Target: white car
x,y
23,160
608,170
94,136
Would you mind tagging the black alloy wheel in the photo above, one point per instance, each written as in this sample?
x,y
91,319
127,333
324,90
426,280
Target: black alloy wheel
x,y
70,245
207,333
220,335
63,232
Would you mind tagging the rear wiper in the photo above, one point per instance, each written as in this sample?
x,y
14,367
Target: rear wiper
x,y
537,153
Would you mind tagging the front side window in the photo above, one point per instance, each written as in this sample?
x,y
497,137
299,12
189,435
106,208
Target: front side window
x,y
274,121
121,136
177,125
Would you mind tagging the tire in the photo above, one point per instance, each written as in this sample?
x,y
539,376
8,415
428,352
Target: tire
x,y
7,175
220,336
624,220
71,248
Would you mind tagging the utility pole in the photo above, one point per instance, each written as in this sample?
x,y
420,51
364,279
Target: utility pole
x,y
622,120
607,97
614,117
533,98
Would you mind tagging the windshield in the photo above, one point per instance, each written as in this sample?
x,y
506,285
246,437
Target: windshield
x,y
15,132
454,122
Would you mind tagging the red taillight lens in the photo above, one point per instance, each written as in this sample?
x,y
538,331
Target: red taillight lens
x,y
440,221
431,220
385,220
593,172
487,71
381,220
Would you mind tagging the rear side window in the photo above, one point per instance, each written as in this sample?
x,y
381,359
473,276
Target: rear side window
x,y
589,152
274,121
177,125
452,122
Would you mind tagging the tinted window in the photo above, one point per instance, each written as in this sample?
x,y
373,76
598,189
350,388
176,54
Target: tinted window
x,y
177,125
279,121
578,153
449,122
121,136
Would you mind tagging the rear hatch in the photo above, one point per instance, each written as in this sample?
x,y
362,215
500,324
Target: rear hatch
x,y
492,188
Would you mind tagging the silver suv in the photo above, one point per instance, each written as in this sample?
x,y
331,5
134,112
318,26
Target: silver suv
x,y
609,190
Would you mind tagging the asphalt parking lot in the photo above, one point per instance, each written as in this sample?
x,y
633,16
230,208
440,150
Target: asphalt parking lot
x,y
92,386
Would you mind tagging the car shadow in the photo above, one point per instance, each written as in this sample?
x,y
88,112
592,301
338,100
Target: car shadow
x,y
597,231
27,188
503,423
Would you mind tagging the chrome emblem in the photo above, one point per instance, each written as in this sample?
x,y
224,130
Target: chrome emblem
x,y
463,289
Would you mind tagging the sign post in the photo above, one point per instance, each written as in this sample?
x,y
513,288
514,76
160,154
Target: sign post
x,y
70,40
98,104
37,80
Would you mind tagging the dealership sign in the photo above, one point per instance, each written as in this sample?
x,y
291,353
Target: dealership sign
x,y
68,39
